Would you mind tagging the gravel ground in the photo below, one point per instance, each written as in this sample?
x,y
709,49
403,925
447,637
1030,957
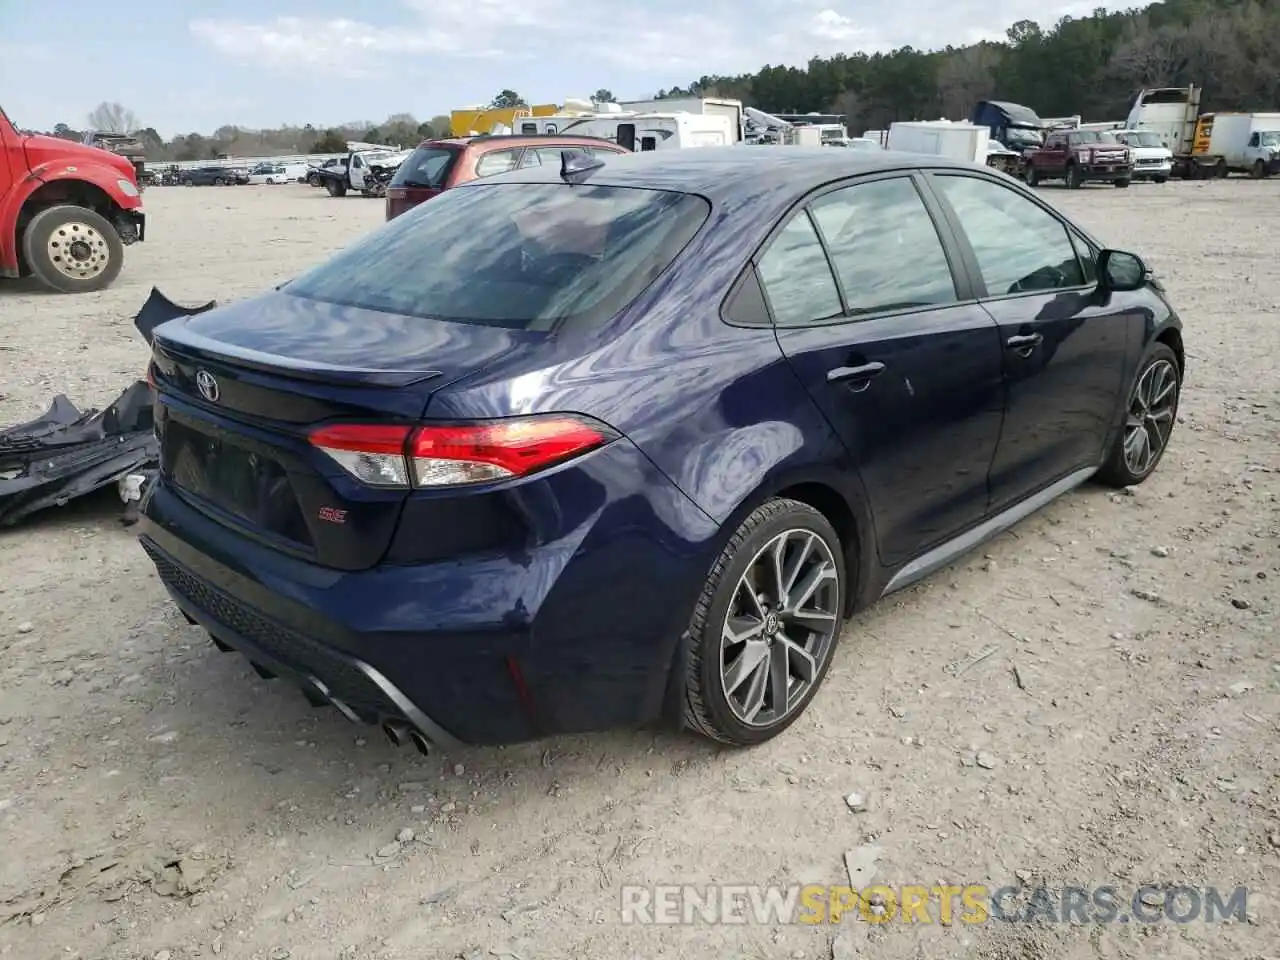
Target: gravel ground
x,y
1093,699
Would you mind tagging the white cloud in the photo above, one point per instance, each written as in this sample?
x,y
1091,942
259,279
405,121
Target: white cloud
x,y
664,37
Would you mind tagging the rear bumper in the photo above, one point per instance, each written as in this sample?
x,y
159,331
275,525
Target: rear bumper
x,y
358,690
576,635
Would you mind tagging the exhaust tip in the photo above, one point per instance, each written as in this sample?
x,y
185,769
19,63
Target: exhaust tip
x,y
421,742
398,733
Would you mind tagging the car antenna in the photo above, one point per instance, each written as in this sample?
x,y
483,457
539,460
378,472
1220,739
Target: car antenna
x,y
576,165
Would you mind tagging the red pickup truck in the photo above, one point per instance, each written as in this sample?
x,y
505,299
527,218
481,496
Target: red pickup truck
x,y
1079,157
67,211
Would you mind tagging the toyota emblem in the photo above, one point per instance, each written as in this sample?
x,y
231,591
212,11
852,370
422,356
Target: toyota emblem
x,y
207,385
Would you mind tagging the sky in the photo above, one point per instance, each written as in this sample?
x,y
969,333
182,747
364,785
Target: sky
x,y
182,66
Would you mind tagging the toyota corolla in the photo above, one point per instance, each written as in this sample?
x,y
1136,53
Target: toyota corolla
x,y
606,445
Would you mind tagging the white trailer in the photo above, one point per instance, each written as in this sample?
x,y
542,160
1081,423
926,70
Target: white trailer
x,y
1245,142
707,106
939,138
641,132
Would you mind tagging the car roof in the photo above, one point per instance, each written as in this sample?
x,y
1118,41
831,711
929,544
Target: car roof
x,y
735,174
519,140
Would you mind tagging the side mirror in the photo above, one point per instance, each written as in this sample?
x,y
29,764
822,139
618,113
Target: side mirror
x,y
1120,271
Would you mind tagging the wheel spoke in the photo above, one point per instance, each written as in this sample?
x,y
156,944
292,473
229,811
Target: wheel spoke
x,y
1154,443
739,630
802,557
779,680
746,664
819,574
746,587
800,661
753,701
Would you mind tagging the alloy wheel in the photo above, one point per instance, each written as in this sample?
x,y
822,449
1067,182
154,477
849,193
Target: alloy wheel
x,y
779,630
1151,415
78,251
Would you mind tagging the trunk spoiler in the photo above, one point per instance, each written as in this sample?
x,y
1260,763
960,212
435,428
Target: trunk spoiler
x,y
160,309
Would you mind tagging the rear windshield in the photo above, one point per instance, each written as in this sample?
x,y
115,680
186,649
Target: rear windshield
x,y
521,255
425,167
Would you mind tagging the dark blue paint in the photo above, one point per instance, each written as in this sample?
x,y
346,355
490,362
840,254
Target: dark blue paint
x,y
557,603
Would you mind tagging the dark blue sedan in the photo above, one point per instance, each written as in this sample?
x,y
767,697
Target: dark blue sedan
x,y
624,442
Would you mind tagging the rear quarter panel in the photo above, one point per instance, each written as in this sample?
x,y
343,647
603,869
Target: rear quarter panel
x,y
716,408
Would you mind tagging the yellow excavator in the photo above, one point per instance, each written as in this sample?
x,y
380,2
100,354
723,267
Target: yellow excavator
x,y
471,121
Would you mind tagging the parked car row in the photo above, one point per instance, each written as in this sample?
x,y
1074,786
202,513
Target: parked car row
x,y
224,174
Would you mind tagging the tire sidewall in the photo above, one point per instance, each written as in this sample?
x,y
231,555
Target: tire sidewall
x,y
35,246
707,638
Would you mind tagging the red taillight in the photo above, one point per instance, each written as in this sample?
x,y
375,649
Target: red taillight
x,y
438,455
151,375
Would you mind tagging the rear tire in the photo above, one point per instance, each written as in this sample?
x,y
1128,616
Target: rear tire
x,y
749,689
335,188
72,249
1150,416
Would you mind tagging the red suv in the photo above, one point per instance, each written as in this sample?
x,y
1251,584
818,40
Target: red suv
x,y
438,165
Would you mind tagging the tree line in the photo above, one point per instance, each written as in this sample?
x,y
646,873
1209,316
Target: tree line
x,y
1091,66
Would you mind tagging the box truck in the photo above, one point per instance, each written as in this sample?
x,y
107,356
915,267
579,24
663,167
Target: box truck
x,y
1241,142
939,138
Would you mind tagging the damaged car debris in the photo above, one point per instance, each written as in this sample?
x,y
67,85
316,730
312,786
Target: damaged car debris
x,y
67,452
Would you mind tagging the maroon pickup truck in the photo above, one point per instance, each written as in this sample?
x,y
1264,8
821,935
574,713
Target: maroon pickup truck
x,y
1080,157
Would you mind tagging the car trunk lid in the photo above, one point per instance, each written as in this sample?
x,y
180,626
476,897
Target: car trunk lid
x,y
241,388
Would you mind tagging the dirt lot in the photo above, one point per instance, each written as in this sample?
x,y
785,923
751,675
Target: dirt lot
x,y
1092,700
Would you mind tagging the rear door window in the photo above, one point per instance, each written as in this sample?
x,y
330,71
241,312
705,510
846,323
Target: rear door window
x,y
521,255
496,161
797,277
884,247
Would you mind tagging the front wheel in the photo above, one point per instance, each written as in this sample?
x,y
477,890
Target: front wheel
x,y
1122,183
766,626
1162,179
1151,412
72,249
1075,180
1259,170
1033,177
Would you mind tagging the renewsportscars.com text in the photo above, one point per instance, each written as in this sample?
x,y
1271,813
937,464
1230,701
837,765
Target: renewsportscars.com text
x,y
969,903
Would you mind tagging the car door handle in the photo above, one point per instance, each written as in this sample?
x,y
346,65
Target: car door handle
x,y
1025,343
863,371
